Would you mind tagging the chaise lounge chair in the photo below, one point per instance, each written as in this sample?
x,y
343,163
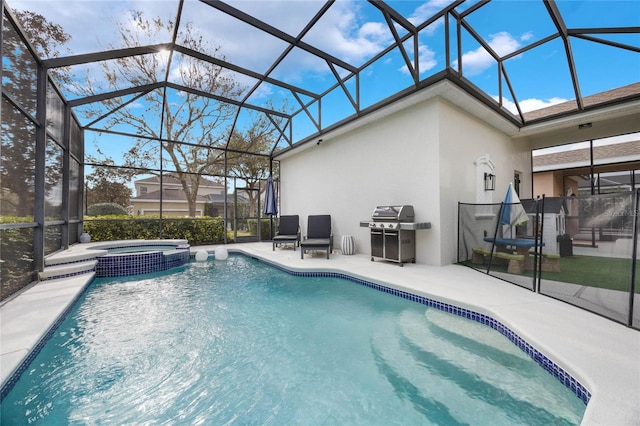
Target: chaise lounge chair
x,y
319,236
288,231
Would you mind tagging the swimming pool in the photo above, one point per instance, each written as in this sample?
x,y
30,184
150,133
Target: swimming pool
x,y
239,341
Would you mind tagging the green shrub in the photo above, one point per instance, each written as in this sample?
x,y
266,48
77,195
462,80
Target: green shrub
x,y
16,219
265,227
197,231
101,209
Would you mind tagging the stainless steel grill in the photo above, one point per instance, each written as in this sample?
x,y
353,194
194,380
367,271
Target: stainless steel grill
x,y
393,231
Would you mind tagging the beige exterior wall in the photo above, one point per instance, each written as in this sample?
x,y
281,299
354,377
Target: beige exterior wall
x,y
153,186
149,208
171,208
422,155
547,183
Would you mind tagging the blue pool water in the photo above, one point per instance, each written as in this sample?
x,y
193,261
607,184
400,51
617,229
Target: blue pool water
x,y
239,342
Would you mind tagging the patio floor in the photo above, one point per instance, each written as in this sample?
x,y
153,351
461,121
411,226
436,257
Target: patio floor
x,y
603,355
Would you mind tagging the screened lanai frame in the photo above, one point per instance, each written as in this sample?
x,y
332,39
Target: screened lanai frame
x,y
457,18
349,87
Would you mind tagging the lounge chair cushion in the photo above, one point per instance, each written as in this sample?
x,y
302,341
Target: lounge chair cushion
x,y
288,231
319,236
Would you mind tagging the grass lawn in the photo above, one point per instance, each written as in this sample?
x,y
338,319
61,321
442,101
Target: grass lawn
x,y
600,272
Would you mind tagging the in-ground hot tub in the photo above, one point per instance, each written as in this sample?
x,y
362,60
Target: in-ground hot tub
x,y
137,257
116,258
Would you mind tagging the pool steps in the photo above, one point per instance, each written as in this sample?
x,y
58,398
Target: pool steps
x,y
81,258
68,269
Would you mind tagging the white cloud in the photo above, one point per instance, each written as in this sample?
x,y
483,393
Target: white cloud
x,y
526,36
427,10
135,105
535,104
343,33
91,23
427,60
530,104
478,60
373,30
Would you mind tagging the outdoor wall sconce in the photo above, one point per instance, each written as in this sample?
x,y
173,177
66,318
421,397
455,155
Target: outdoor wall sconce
x,y
489,182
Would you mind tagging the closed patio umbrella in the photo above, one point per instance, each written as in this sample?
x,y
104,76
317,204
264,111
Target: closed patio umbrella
x,y
270,199
513,212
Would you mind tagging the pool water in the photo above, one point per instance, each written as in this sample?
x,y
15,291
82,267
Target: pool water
x,y
239,342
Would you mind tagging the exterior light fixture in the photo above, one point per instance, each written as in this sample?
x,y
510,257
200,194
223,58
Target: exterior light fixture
x,y
585,125
489,182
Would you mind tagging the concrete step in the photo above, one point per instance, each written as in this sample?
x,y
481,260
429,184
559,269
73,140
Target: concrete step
x,y
67,269
69,256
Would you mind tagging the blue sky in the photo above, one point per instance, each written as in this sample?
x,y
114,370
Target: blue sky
x,y
354,31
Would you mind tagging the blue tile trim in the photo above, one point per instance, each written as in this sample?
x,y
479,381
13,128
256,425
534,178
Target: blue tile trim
x,y
545,362
71,262
70,274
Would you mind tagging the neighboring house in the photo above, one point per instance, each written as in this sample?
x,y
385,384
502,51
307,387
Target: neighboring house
x,y
174,201
568,171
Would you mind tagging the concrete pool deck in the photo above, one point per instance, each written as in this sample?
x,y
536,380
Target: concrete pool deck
x,y
602,355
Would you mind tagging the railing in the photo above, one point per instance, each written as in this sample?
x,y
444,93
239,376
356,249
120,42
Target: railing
x,y
581,250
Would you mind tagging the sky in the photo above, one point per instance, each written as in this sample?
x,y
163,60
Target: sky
x,y
354,31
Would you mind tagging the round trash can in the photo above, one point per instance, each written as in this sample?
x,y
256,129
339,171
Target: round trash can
x,y
348,245
566,245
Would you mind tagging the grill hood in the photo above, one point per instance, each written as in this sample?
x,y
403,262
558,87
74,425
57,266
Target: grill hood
x,y
402,213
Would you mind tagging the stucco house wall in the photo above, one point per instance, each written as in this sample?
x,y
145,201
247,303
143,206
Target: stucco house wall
x,y
546,183
422,155
387,162
464,138
170,208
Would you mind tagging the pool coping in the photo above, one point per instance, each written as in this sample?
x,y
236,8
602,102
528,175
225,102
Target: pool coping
x,y
601,354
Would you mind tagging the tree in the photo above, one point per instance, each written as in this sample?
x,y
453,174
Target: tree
x,y
109,184
105,209
17,166
46,37
249,167
192,124
106,191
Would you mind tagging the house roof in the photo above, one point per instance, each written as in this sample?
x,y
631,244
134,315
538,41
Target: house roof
x,y
172,180
168,195
630,91
616,152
